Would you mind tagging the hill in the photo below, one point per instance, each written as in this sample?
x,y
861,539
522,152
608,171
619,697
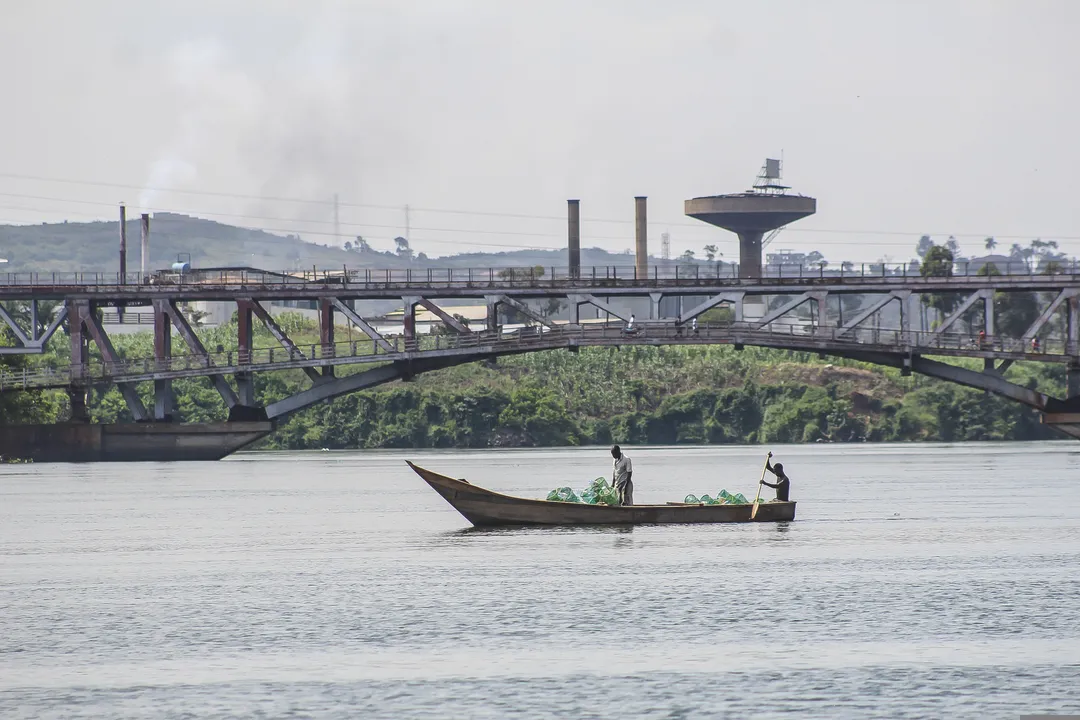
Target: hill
x,y
95,246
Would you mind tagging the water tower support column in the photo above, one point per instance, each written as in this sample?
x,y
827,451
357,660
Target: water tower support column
x,y
750,253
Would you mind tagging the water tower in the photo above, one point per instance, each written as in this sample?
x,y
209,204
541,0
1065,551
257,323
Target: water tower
x,y
765,208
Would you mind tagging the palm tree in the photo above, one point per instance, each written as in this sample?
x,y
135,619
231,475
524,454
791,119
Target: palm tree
x,y
991,243
710,252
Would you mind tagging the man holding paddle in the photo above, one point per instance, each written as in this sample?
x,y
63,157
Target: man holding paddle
x,y
782,484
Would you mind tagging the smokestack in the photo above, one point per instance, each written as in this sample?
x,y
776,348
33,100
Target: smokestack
x,y
573,236
641,224
123,244
145,244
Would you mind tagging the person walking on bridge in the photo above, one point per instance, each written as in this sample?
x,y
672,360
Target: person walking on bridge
x,y
782,484
622,476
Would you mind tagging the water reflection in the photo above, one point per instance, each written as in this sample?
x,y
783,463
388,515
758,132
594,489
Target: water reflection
x,y
546,529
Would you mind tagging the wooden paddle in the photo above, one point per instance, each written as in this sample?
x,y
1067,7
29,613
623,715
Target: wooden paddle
x,y
757,500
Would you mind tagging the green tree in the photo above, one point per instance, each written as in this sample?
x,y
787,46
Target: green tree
x,y
24,407
938,262
924,245
953,246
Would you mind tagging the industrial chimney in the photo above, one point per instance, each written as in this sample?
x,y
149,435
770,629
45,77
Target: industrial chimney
x,y
573,236
145,244
641,225
123,244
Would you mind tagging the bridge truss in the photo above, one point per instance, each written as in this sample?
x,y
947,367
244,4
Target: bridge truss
x,y
876,318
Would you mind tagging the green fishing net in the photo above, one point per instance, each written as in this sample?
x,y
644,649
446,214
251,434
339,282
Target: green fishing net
x,y
599,492
722,498
563,494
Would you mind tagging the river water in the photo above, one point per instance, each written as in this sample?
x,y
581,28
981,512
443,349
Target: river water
x,y
918,581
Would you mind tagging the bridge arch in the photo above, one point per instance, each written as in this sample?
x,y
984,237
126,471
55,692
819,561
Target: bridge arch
x,y
989,380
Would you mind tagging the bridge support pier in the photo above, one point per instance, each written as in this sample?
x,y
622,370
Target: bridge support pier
x,y
163,397
1072,344
245,381
77,399
79,352
408,322
1072,380
326,333
492,313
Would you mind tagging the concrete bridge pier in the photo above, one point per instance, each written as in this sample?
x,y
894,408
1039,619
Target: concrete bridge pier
x,y
77,400
1072,381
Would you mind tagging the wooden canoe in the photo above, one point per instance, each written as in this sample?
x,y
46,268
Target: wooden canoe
x,y
485,508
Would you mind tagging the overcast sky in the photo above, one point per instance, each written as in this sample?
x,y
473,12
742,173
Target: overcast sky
x,y
902,117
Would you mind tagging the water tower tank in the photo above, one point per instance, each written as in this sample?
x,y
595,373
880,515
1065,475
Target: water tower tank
x,y
752,214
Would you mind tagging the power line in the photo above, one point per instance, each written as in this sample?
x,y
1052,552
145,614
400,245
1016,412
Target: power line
x,y
265,198
291,231
243,216
695,226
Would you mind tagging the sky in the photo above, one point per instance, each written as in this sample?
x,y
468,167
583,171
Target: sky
x,y
902,117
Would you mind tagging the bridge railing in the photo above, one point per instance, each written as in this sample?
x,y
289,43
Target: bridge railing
x,y
791,335
532,276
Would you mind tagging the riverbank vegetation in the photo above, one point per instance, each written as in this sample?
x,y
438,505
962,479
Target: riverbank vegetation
x,y
653,395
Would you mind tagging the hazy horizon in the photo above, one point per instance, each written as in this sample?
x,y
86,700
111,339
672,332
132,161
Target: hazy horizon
x,y
902,118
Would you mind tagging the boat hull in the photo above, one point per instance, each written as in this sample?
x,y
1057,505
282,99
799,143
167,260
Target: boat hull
x,y
485,508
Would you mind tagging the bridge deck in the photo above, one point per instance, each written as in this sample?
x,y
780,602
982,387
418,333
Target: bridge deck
x,y
476,282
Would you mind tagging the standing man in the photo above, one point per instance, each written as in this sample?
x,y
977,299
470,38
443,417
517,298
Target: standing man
x,y
782,484
621,475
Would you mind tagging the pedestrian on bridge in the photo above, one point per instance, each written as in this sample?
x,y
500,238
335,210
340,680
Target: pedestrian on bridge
x,y
622,476
782,484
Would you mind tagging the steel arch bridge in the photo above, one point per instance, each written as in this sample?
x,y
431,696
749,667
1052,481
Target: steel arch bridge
x,y
803,312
